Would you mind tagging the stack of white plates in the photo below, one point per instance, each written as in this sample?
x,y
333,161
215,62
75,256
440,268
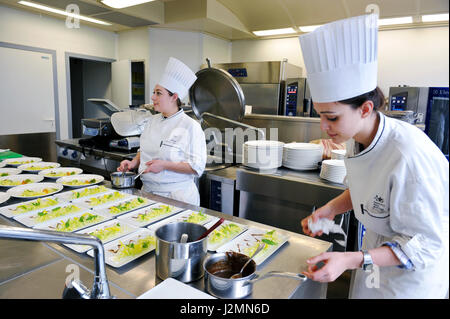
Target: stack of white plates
x,y
333,171
263,154
302,156
338,154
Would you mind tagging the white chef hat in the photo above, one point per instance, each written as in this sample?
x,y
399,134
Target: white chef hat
x,y
341,58
177,77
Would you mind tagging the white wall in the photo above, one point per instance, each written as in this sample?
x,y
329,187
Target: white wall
x,y
192,48
134,45
268,50
30,29
217,50
415,57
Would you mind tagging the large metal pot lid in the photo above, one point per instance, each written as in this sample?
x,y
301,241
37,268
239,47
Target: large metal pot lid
x,y
216,92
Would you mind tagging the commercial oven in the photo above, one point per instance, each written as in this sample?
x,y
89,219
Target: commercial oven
x,y
263,83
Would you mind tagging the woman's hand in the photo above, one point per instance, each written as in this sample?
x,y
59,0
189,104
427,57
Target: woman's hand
x,y
335,264
126,165
322,212
155,166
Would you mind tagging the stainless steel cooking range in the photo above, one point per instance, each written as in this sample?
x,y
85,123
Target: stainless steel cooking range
x,y
271,87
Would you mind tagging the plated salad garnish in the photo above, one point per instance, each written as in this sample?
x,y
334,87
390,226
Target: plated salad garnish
x,y
134,247
153,212
127,205
81,182
34,205
270,239
42,192
223,233
195,217
88,191
59,211
10,182
77,222
38,167
99,200
107,232
61,174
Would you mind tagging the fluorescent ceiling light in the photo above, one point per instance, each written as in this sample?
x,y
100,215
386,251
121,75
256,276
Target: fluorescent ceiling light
x,y
262,33
62,12
119,4
435,17
309,28
391,21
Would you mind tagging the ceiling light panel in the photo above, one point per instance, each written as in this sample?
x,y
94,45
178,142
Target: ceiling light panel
x,y
119,4
392,21
435,17
61,12
263,33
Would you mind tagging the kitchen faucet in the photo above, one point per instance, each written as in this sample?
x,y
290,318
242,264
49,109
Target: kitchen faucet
x,y
100,288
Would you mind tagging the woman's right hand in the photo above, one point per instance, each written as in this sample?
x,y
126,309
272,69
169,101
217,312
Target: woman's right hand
x,y
125,166
322,212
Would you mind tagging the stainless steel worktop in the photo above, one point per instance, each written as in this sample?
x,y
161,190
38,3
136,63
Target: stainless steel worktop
x,y
39,270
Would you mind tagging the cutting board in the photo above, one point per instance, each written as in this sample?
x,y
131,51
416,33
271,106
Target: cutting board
x,y
9,154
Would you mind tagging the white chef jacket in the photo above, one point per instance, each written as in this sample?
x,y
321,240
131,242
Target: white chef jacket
x,y
399,191
177,138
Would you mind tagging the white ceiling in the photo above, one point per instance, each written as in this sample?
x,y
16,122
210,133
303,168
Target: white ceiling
x,y
235,19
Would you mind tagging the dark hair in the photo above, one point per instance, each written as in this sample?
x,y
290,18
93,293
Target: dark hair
x,y
178,99
376,96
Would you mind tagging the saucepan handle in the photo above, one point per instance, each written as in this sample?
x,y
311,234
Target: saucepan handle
x,y
278,274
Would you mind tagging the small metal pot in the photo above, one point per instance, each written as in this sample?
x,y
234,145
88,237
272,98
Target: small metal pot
x,y
182,261
122,180
220,266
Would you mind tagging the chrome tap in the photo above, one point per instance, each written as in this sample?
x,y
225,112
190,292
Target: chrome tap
x,y
100,288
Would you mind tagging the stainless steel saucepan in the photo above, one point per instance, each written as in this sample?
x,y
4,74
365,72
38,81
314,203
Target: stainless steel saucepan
x,y
123,179
220,267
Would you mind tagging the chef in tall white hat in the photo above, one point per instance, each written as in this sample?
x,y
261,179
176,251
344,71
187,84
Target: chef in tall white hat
x,y
397,177
172,146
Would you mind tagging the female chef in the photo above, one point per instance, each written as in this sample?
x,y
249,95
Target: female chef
x,y
172,146
397,178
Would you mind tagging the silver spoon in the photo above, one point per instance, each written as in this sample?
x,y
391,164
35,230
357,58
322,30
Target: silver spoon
x,y
184,238
239,274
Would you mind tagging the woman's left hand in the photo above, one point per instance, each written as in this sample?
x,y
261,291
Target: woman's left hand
x,y
155,166
335,265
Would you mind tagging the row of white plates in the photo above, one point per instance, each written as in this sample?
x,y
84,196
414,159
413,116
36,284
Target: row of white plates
x,y
270,155
273,154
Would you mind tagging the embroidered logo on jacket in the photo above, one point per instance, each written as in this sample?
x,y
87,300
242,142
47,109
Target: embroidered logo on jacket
x,y
377,209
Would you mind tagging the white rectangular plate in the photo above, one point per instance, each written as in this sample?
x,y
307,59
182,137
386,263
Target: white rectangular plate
x,y
133,217
111,248
87,201
224,234
51,225
40,203
248,242
122,230
113,209
32,219
182,217
81,193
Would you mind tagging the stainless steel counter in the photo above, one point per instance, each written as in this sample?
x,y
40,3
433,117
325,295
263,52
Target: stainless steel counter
x,y
39,270
284,197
